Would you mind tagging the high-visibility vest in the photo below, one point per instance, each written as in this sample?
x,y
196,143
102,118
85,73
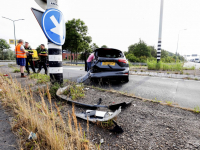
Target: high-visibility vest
x,y
19,53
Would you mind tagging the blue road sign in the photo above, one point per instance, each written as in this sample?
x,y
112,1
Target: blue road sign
x,y
53,25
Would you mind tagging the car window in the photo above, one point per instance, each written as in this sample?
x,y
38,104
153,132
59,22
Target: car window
x,y
110,54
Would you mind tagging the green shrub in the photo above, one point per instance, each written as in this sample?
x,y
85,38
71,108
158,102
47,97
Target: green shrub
x,y
189,68
53,89
153,65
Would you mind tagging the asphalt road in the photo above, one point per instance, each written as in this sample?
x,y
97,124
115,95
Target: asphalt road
x,y
184,92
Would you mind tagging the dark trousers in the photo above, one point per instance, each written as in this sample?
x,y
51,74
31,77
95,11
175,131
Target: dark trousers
x,y
42,63
31,63
88,66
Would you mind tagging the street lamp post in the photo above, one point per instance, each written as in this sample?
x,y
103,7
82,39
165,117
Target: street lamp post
x,y
14,29
178,41
13,25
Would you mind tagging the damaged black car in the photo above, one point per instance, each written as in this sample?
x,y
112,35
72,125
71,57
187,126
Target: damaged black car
x,y
110,63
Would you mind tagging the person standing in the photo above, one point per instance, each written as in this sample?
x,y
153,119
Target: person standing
x,y
21,56
43,59
89,61
29,58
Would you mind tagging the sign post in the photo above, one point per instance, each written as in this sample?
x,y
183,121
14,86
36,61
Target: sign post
x,y
53,26
160,32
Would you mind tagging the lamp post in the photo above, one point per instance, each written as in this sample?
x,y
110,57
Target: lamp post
x,y
13,25
178,41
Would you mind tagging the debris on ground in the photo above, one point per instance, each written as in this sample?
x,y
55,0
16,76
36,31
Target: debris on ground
x,y
117,128
94,115
101,141
83,78
5,75
32,136
60,94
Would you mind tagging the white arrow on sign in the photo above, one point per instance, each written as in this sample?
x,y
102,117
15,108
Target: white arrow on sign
x,y
59,27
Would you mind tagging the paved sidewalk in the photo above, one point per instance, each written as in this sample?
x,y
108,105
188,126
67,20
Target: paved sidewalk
x,y
8,141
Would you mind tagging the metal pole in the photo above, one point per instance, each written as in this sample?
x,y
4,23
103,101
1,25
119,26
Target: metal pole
x,y
177,43
55,56
15,40
14,32
160,32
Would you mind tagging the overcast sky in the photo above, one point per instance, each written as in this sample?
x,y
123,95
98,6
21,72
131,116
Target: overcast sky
x,y
115,23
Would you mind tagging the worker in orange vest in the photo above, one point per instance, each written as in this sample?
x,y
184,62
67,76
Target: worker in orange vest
x,y
21,56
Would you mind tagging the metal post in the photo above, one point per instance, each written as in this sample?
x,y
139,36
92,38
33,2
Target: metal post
x,y
15,40
160,32
55,56
14,32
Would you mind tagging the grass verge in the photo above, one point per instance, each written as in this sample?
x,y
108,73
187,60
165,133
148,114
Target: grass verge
x,y
16,70
153,65
41,117
41,78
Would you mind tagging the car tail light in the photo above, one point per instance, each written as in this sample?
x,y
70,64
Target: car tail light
x,y
123,61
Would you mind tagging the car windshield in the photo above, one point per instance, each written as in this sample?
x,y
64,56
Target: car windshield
x,y
109,53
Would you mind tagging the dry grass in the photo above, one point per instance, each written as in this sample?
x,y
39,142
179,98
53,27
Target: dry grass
x,y
41,117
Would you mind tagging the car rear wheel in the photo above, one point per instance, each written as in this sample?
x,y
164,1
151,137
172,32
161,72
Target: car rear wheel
x,y
126,79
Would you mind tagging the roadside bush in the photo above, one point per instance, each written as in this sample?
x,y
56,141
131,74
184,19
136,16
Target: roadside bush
x,y
189,68
166,67
143,59
132,58
153,65
159,65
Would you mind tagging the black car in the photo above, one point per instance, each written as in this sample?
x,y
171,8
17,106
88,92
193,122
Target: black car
x,y
110,63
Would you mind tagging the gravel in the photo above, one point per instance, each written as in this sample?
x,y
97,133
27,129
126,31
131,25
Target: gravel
x,y
146,125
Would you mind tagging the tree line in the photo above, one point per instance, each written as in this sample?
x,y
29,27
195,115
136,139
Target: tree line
x,y
141,52
5,52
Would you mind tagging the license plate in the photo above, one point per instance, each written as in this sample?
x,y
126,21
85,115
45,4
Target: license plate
x,y
108,63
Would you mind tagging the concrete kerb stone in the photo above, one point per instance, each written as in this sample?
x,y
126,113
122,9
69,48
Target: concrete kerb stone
x,y
177,76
